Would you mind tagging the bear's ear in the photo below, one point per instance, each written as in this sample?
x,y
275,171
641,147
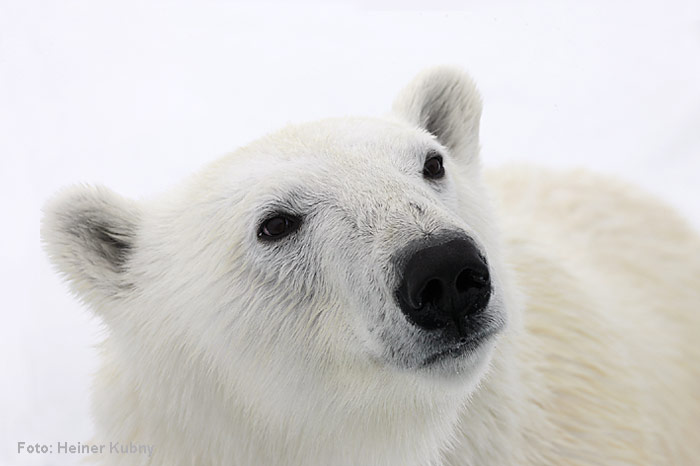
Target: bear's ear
x,y
89,234
445,102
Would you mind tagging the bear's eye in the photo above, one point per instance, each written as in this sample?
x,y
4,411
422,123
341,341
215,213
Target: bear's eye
x,y
433,168
278,226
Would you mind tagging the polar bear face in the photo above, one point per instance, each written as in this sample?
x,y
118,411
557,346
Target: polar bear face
x,y
336,212
340,256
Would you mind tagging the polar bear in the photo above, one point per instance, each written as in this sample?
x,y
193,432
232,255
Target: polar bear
x,y
356,291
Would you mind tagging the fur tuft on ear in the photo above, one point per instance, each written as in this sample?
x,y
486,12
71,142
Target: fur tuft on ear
x,y
89,234
445,102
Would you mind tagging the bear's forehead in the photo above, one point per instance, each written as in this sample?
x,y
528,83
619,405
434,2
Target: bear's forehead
x,y
342,141
341,154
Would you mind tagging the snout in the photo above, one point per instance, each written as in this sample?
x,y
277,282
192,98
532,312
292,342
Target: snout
x,y
445,283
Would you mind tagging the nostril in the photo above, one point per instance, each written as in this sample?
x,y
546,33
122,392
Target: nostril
x,y
431,293
469,279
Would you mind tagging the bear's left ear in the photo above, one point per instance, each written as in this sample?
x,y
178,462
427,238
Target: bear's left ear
x,y
445,102
89,234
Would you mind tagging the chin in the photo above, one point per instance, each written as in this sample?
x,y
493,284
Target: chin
x,y
463,365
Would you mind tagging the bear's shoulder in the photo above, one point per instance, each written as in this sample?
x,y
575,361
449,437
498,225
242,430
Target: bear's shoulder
x,y
598,214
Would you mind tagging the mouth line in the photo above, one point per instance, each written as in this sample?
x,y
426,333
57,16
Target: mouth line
x,y
461,347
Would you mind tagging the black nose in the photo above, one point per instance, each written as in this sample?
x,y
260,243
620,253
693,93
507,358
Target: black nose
x,y
444,283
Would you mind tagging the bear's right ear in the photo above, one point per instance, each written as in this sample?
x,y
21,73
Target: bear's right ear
x,y
89,234
445,102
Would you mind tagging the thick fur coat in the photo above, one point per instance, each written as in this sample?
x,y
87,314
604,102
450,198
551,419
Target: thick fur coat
x,y
228,348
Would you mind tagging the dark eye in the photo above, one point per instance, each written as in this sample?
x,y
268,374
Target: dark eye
x,y
433,168
277,226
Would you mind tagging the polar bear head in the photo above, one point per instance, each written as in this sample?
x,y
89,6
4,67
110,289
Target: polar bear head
x,y
319,270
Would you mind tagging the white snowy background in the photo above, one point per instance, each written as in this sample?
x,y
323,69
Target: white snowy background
x,y
138,94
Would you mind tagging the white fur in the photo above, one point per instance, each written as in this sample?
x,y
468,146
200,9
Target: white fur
x,y
223,350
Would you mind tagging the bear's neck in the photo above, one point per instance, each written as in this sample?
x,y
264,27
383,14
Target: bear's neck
x,y
198,411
